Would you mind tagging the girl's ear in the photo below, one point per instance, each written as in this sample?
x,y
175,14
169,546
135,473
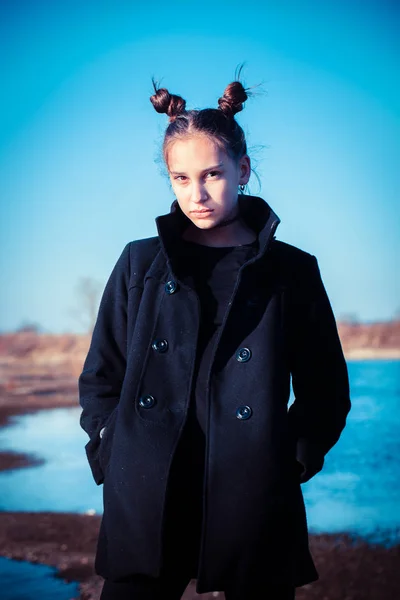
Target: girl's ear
x,y
244,169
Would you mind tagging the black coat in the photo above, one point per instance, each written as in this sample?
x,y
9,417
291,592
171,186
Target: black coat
x,y
279,323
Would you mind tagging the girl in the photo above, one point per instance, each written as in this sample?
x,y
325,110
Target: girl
x,y
186,383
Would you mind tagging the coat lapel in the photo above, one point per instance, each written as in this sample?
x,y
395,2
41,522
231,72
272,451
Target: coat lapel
x,y
255,211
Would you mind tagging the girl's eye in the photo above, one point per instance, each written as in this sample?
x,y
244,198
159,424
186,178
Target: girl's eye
x,y
184,178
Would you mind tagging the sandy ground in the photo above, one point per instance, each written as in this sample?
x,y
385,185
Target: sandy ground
x,y
348,569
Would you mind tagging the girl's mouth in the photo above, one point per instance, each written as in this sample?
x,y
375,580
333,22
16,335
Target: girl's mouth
x,y
199,213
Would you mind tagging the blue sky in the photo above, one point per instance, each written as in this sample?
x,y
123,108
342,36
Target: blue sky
x,y
79,139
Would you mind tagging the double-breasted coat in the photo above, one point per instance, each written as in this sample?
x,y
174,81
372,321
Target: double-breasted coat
x,y
135,389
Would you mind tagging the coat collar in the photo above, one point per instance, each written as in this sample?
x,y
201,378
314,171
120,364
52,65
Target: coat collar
x,y
255,211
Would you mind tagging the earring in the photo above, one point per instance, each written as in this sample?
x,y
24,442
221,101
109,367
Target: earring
x,y
241,188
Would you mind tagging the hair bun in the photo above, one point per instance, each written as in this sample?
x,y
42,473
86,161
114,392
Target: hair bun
x,y
232,99
164,102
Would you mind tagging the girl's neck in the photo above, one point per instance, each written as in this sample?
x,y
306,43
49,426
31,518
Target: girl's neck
x,y
232,233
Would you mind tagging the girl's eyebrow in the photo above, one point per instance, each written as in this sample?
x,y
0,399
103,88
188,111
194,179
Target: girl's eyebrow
x,y
218,166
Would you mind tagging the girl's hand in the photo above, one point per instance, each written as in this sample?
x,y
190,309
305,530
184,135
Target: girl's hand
x,y
309,461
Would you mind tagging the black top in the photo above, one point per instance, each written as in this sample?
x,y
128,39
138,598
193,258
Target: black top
x,y
214,271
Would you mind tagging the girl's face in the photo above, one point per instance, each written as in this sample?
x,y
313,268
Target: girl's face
x,y
205,180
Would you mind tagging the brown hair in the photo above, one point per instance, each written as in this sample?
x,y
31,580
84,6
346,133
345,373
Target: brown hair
x,y
217,123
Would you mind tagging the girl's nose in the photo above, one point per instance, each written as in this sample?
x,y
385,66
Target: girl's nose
x,y
199,193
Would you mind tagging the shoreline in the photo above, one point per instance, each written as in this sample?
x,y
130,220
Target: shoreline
x,y
348,567
14,405
361,354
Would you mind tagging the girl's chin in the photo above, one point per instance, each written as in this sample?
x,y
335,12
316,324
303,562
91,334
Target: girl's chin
x,y
204,224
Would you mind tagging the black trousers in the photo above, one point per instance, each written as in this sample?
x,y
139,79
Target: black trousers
x,y
144,588
182,535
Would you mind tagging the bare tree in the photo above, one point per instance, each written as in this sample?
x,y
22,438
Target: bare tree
x,y
29,327
349,319
88,293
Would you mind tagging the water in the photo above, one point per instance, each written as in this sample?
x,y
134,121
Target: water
x,y
358,490
21,580
64,483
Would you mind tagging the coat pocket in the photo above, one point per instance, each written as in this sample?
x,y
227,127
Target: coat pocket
x,y
106,438
98,448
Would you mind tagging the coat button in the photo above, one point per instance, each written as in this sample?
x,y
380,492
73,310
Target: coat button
x,y
147,401
243,355
160,346
243,413
171,286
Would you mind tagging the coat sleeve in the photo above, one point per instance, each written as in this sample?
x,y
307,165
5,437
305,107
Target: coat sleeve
x,y
319,375
104,368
